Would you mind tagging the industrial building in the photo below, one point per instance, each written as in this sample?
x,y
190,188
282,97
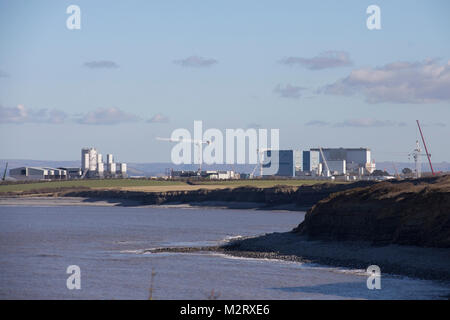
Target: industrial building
x,y
288,162
37,173
209,174
92,165
311,161
319,162
354,161
72,172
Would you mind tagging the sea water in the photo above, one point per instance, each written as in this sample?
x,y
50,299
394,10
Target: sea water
x,y
109,243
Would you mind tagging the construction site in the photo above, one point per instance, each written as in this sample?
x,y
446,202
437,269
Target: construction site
x,y
347,164
318,163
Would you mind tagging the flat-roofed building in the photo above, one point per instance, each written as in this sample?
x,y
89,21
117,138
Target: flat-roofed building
x,y
281,163
354,158
37,173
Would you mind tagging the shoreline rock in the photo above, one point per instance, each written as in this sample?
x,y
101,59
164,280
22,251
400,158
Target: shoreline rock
x,y
411,261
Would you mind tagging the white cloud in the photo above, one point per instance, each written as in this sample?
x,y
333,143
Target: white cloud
x,y
196,62
358,122
398,82
21,114
318,123
159,118
288,91
325,60
107,116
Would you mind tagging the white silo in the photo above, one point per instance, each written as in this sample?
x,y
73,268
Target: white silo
x,y
111,167
122,168
100,169
99,158
84,159
109,158
92,159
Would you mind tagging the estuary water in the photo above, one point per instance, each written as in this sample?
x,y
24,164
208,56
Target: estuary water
x,y
38,243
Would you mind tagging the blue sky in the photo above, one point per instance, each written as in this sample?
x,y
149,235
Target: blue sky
x,y
140,69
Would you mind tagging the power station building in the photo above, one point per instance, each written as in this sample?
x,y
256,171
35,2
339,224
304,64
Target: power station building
x,y
310,161
92,165
318,162
281,163
340,161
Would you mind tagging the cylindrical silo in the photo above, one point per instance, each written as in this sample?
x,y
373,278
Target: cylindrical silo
x,y
92,159
84,159
101,169
111,167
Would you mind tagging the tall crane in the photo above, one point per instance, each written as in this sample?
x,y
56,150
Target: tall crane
x,y
327,172
395,168
199,143
426,150
415,154
259,164
4,173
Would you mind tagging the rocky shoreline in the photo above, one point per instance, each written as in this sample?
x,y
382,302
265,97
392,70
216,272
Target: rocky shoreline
x,y
410,261
401,226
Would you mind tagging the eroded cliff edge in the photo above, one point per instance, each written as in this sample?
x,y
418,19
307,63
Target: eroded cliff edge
x,y
409,212
300,197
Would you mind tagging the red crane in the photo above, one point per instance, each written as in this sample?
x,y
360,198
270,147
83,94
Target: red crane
x,y
425,145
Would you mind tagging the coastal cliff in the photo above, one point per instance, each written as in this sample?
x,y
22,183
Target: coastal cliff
x,y
300,197
408,212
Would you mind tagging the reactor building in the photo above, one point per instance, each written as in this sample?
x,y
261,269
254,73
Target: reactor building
x,y
289,161
320,162
352,161
92,165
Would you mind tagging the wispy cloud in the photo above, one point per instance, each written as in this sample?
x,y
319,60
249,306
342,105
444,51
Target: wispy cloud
x,y
101,116
433,124
288,91
159,118
397,82
107,116
325,60
20,114
101,64
358,122
369,122
196,62
318,123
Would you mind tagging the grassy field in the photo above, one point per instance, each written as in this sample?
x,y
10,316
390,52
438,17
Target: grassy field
x,y
149,185
262,183
106,183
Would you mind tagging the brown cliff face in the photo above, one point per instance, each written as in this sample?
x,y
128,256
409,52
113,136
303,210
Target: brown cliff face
x,y
304,196
409,212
